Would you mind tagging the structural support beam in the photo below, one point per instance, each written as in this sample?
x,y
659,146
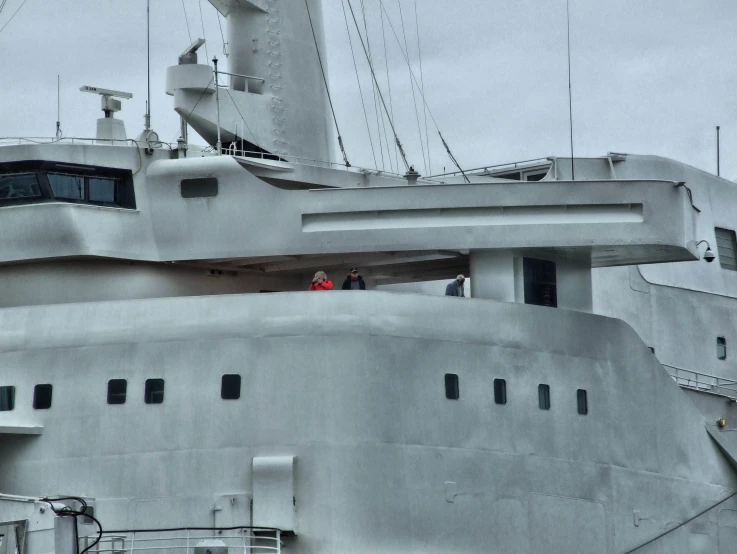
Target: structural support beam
x,y
492,275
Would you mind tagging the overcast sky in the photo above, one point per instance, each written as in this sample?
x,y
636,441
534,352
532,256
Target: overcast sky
x,y
649,76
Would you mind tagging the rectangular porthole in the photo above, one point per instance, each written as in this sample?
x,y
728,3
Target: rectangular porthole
x,y
199,188
543,396
583,403
452,389
721,348
500,391
42,397
7,399
154,393
116,391
230,387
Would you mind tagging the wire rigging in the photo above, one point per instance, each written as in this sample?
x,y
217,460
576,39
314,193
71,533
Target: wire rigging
x,y
12,16
360,90
202,22
2,5
186,20
222,36
373,86
429,111
414,97
388,80
570,89
422,89
327,88
243,119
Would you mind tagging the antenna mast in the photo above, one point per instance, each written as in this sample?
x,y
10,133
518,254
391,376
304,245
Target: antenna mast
x,y
719,169
570,90
58,107
147,124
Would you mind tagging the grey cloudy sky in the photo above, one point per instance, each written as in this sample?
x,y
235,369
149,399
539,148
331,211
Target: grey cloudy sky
x,y
649,76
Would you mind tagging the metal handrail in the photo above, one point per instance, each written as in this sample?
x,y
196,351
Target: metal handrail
x,y
7,141
510,165
703,381
240,541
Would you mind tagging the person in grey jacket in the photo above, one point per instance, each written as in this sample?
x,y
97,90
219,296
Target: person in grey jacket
x,y
456,287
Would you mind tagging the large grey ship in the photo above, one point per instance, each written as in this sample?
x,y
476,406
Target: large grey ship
x,y
154,398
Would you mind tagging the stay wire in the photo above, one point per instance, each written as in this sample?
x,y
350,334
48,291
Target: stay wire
x,y
12,16
327,88
429,110
2,5
414,97
669,531
373,87
570,88
243,119
186,20
422,90
222,35
381,96
388,80
360,90
202,22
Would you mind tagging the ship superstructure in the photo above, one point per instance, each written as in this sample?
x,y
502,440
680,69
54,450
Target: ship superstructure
x,y
145,375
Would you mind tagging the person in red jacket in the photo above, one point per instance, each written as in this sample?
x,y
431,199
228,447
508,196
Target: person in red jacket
x,y
321,282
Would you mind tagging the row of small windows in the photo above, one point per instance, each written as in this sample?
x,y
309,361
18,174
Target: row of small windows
x,y
453,392
117,392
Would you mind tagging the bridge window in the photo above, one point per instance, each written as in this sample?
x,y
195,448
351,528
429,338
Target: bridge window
x,y
721,348
116,391
543,396
230,387
583,403
42,397
452,389
19,186
7,399
154,392
726,248
500,391
540,282
67,187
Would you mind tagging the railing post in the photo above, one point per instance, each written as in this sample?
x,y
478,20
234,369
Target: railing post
x,y
133,541
278,541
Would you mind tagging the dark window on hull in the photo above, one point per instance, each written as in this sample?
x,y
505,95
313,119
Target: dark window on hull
x,y
230,387
7,399
721,348
452,388
543,397
583,402
154,392
500,391
540,282
42,397
116,391
199,188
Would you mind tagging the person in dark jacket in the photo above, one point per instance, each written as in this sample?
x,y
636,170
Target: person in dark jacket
x,y
456,287
354,281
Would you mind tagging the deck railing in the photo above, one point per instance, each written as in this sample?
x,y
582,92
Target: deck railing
x,y
186,541
703,382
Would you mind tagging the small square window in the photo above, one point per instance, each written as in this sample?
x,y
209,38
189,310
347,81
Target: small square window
x,y
154,393
42,397
583,403
102,189
116,391
452,390
500,391
721,348
543,396
230,387
7,399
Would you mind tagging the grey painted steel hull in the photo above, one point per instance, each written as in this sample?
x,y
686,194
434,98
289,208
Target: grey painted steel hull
x,y
352,385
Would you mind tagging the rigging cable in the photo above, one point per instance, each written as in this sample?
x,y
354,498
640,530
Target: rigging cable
x,y
202,22
186,20
432,117
12,16
570,90
360,90
681,524
2,5
255,142
414,97
422,90
381,96
373,87
327,88
388,81
222,35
